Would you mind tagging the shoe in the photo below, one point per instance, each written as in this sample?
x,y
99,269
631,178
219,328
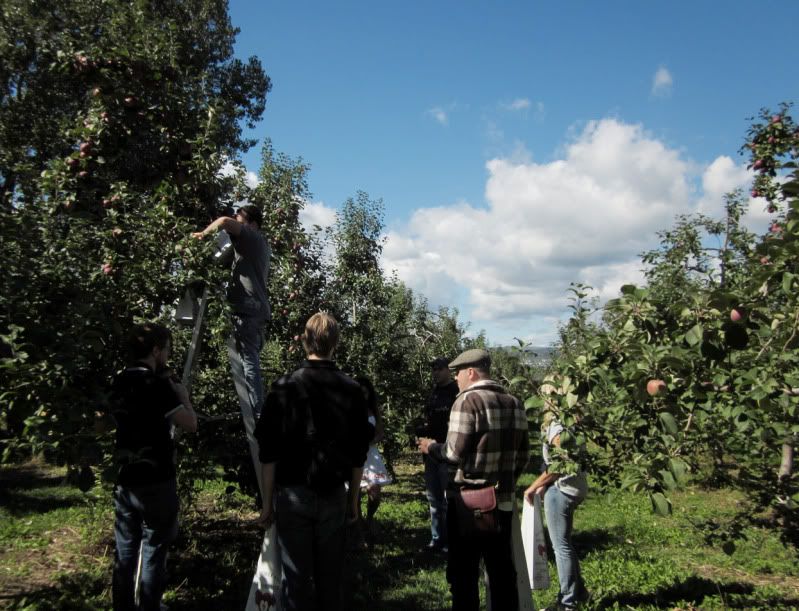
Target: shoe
x,y
435,546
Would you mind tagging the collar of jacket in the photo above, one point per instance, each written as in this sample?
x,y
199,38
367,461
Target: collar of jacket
x,y
318,364
484,385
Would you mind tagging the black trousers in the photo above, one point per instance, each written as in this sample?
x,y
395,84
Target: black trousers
x,y
463,566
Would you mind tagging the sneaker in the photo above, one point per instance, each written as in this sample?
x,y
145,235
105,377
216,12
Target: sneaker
x,y
436,546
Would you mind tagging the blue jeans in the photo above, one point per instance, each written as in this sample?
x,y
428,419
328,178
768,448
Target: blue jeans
x,y
463,566
559,511
244,348
310,529
146,516
436,477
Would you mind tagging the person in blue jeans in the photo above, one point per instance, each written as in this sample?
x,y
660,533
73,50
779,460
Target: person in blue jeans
x,y
247,294
562,494
313,437
146,403
436,474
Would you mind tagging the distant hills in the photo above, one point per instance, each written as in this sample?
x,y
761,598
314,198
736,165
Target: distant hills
x,y
539,356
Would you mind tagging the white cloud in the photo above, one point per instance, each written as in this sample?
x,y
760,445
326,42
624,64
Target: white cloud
x,y
317,213
439,114
517,104
722,177
662,82
584,217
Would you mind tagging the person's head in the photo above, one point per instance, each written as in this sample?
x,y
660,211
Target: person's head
x,y
249,214
151,343
321,335
369,393
470,367
440,371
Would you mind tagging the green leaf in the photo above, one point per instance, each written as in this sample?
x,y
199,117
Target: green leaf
x,y
787,281
668,479
660,504
533,402
516,380
669,423
679,469
694,335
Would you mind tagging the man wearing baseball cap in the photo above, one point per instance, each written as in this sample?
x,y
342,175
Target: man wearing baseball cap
x,y
436,473
487,444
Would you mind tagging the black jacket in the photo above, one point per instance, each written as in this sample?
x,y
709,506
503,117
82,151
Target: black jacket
x,y
338,410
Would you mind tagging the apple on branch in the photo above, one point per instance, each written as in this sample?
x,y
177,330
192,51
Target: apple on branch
x,y
655,386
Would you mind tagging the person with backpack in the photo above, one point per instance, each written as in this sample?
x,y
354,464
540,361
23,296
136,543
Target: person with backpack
x,y
313,436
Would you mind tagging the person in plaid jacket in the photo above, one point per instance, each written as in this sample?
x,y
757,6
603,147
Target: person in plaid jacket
x,y
487,445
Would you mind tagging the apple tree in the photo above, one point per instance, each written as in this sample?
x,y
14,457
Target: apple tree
x,y
695,375
117,120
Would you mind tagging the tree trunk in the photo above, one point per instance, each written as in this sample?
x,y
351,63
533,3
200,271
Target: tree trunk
x,y
786,467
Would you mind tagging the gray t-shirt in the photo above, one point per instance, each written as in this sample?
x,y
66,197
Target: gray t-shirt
x,y
574,485
247,292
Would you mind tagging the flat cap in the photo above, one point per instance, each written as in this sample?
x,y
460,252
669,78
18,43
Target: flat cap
x,y
475,357
439,363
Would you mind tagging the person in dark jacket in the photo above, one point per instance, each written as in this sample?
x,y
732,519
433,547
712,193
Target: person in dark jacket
x,y
313,436
145,404
436,474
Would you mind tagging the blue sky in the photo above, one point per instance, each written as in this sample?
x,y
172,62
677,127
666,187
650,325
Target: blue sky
x,y
518,146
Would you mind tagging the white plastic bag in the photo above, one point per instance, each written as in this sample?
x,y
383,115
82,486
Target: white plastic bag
x,y
535,547
526,602
265,590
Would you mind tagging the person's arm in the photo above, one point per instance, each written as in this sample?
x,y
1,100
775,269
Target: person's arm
x,y
523,451
462,423
353,495
232,226
184,417
379,431
540,485
267,517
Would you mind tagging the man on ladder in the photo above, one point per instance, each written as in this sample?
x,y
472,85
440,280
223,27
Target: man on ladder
x,y
247,294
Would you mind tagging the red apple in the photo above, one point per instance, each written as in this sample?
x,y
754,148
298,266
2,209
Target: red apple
x,y
83,174
764,260
736,315
116,232
131,101
653,387
758,163
107,269
73,163
776,118
755,193
771,139
775,228
97,92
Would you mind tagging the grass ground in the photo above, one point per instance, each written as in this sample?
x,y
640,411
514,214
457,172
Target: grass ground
x,y
56,547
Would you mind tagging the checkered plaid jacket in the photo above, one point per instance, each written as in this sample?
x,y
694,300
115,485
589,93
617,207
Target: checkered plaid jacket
x,y
487,441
